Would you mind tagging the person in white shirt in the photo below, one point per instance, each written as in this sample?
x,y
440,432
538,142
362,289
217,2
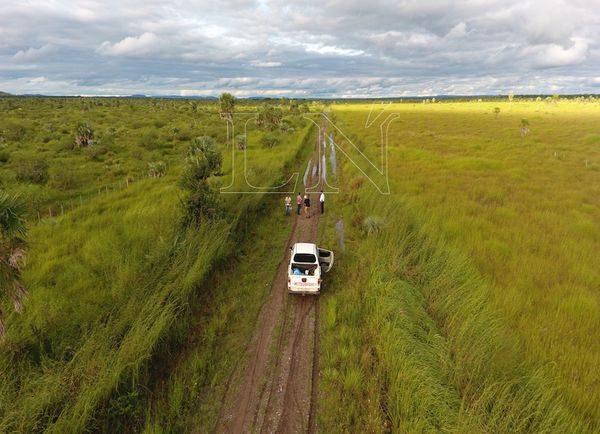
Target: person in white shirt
x,y
322,202
288,205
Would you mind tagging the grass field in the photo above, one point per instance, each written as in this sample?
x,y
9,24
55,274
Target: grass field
x,y
474,297
465,301
111,272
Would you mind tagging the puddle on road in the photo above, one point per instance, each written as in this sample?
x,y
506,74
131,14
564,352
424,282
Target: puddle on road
x,y
332,157
323,169
306,173
339,228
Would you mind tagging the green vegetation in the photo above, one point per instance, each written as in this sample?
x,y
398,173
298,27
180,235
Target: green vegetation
x,y
112,274
12,254
464,302
468,301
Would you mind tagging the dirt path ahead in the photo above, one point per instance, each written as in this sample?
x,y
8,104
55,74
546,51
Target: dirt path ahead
x,y
276,389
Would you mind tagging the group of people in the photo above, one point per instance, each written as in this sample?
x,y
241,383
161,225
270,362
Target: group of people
x,y
303,201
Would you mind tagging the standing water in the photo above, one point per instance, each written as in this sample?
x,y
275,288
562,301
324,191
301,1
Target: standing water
x,y
306,172
339,228
332,157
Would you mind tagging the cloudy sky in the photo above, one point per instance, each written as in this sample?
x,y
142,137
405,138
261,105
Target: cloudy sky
x,y
317,48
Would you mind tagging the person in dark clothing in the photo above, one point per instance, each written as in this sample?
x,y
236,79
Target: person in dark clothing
x,y
322,202
307,205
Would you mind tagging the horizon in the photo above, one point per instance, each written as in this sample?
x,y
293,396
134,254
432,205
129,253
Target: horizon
x,y
393,98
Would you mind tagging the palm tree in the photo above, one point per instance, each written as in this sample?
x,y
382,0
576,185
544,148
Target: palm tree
x,y
226,108
12,253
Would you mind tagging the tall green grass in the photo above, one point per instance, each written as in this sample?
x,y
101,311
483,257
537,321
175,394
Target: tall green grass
x,y
111,284
473,305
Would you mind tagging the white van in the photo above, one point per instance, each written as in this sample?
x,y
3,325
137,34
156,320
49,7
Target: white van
x,y
307,262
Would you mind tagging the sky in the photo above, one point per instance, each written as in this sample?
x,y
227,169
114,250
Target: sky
x,y
314,48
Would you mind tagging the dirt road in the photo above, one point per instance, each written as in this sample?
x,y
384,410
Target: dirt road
x,y
276,389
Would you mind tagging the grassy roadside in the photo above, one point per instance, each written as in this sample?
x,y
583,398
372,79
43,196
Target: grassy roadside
x,y
191,396
75,367
409,339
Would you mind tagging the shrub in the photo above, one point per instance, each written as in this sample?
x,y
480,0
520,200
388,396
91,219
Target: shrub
x,y
95,152
207,146
372,225
157,169
270,140
286,127
241,141
269,117
84,135
149,140
34,171
4,156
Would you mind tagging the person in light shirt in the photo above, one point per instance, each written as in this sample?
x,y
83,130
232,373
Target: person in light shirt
x,y
299,202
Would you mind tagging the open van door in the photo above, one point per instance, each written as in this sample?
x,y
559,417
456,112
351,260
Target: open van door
x,y
325,259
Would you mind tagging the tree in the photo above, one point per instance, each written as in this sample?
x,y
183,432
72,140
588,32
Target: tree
x,y
207,147
202,161
84,135
226,106
269,117
12,253
270,140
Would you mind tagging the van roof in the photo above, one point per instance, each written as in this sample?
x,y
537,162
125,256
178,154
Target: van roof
x,y
304,248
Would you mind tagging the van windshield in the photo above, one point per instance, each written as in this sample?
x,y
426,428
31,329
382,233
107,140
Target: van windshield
x,y
307,258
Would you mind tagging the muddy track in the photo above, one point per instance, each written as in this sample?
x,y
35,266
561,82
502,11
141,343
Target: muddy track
x,y
274,389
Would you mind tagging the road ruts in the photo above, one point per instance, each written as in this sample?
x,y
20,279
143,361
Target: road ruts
x,y
275,390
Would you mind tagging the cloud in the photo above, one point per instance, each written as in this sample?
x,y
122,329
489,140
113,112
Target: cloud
x,y
458,31
32,54
131,45
314,47
321,48
552,55
265,64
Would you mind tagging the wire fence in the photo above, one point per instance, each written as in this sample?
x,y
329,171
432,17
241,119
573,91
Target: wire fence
x,y
58,208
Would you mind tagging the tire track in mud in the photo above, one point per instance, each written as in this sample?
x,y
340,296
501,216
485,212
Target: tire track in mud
x,y
275,390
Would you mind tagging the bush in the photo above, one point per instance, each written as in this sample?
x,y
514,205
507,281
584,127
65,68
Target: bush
x,y
4,156
241,141
84,135
269,117
95,152
149,140
157,169
270,140
34,171
372,225
207,147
